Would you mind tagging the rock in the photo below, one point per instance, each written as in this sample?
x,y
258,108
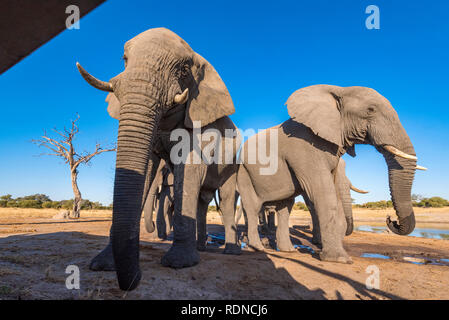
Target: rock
x,y
62,215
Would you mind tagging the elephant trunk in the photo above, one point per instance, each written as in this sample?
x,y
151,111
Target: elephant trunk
x,y
401,173
151,199
148,213
138,123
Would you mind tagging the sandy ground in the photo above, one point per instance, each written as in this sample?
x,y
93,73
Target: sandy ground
x,y
36,249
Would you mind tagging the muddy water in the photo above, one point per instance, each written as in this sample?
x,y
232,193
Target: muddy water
x,y
430,233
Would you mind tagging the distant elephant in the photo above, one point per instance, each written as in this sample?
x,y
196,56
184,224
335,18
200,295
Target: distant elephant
x,y
327,121
266,215
160,199
166,86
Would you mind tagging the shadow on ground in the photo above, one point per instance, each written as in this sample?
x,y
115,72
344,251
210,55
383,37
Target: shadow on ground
x,y
33,266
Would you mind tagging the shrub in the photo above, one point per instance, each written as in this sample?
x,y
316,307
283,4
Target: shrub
x,y
12,204
3,203
29,204
66,204
300,206
51,204
434,202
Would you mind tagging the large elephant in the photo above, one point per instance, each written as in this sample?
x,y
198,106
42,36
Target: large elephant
x,y
266,215
326,122
167,86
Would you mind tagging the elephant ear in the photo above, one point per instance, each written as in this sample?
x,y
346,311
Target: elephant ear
x,y
318,107
113,106
209,98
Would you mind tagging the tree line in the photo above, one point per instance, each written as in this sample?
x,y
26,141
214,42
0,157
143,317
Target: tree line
x,y
417,201
42,201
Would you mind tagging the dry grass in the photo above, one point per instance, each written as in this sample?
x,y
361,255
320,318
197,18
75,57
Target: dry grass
x,y
49,213
424,215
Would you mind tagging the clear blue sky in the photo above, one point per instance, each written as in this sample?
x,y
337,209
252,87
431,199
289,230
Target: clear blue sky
x,y
263,52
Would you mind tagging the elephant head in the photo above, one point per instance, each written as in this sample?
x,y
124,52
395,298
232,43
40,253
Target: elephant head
x,y
346,116
163,77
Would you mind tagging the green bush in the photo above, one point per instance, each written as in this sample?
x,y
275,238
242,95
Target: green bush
x,y
3,203
300,206
6,197
51,204
12,204
383,204
29,204
66,204
434,202
212,208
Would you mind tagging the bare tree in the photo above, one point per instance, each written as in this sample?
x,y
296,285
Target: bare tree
x,y
63,148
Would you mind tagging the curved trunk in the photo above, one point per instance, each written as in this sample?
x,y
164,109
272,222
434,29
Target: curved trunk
x,y
345,196
401,173
149,203
138,121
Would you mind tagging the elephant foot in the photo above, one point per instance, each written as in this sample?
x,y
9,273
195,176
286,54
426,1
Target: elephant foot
x,y
180,257
257,246
286,247
317,241
232,248
244,238
104,261
335,256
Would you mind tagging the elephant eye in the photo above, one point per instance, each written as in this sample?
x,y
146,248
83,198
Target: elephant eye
x,y
371,110
185,70
125,59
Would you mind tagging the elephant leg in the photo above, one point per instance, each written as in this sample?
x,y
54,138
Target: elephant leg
x,y
263,221
323,196
104,261
251,207
316,238
283,230
201,222
165,213
161,214
169,217
227,205
183,252
271,213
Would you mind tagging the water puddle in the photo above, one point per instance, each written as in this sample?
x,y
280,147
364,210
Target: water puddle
x,y
418,232
409,259
374,255
304,247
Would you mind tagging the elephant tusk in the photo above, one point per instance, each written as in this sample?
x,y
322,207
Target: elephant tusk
x,y
181,98
358,190
399,153
421,168
94,82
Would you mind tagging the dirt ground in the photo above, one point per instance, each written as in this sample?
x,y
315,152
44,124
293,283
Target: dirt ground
x,y
36,249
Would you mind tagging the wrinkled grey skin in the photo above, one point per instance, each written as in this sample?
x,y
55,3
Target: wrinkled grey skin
x,y
166,86
160,197
326,122
266,214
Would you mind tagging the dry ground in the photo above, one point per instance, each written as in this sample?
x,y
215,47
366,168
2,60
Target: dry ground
x,y
36,249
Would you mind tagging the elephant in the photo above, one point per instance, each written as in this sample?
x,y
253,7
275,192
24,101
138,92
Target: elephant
x,y
160,197
326,122
169,96
266,215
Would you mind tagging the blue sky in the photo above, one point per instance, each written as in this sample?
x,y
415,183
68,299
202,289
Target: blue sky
x,y
263,52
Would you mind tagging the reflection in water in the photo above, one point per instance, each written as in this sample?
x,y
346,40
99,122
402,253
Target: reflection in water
x,y
374,255
418,232
415,260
